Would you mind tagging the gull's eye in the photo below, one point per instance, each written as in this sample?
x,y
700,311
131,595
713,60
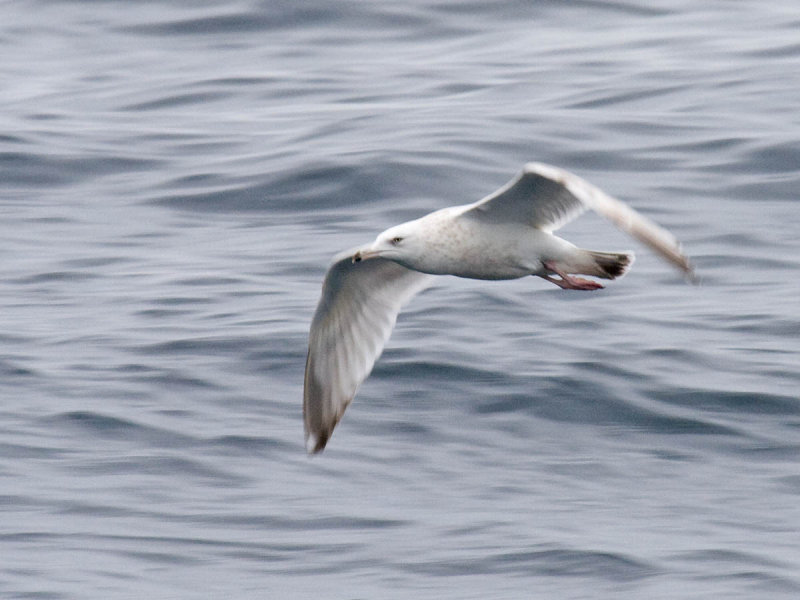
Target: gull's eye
x,y
396,241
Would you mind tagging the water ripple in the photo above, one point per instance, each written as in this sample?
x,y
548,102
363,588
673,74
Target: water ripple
x,y
176,177
551,563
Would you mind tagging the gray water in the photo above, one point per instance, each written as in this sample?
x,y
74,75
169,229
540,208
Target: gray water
x,y
175,177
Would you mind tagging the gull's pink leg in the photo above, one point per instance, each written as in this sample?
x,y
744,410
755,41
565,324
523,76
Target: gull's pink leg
x,y
568,282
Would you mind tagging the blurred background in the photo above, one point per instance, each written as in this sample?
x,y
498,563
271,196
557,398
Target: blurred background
x,y
174,179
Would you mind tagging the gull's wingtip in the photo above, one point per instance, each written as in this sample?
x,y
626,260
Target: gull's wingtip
x,y
680,261
691,275
316,443
684,263
311,444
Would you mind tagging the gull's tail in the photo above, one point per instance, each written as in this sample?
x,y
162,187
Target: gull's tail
x,y
608,265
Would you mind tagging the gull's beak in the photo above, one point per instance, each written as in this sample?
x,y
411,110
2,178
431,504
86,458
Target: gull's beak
x,y
365,254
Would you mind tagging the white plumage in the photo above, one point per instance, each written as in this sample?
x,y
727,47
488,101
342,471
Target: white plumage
x,y
506,235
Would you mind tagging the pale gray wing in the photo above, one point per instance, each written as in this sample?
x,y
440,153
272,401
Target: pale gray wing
x,y
354,318
547,198
534,197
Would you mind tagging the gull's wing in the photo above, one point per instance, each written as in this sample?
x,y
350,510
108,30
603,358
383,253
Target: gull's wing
x,y
354,318
547,198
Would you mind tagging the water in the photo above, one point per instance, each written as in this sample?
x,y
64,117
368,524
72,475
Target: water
x,y
174,178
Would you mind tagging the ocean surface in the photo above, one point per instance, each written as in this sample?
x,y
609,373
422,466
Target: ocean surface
x,y
174,179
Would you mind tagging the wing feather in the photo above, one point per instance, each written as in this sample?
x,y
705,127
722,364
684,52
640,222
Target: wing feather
x,y
547,198
354,318
532,197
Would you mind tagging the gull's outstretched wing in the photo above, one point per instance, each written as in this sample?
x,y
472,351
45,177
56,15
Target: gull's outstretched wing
x,y
547,198
354,318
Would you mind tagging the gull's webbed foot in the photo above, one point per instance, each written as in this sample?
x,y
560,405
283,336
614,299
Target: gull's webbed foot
x,y
568,282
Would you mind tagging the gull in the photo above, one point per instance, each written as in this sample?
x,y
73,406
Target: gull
x,y
507,235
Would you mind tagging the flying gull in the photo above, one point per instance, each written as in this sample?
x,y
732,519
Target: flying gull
x,y
506,235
